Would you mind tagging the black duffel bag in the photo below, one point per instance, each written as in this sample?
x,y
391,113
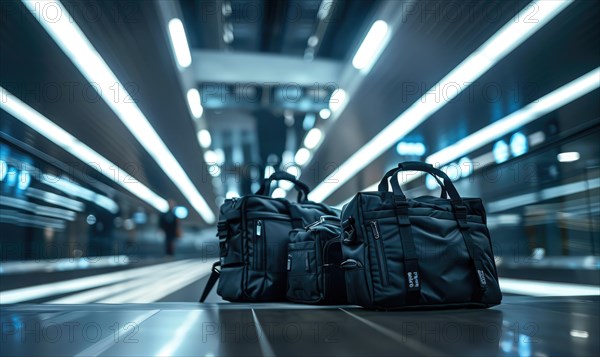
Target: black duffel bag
x,y
313,264
425,252
253,235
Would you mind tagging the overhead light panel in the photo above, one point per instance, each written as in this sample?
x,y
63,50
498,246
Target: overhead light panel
x,y
337,99
518,144
84,56
537,109
325,113
313,138
302,156
204,138
194,102
548,103
69,143
568,156
371,47
179,43
500,151
511,35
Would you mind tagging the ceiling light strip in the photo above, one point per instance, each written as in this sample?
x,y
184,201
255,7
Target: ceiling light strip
x,y
68,142
511,35
547,104
84,56
531,112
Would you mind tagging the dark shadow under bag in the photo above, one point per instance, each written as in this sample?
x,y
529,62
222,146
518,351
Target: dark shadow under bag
x,y
253,234
425,252
313,264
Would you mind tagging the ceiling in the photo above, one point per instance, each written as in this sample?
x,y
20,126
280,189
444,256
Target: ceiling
x,y
262,81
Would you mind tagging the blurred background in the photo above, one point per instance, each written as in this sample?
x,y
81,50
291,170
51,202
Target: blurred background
x,y
123,121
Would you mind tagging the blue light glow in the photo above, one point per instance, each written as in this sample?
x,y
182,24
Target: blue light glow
x,y
518,144
24,180
500,151
181,212
11,176
3,170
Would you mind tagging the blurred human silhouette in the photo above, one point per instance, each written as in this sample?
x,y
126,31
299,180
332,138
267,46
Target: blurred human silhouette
x,y
169,223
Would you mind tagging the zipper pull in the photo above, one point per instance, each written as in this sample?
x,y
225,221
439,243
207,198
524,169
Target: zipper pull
x,y
313,225
259,225
375,229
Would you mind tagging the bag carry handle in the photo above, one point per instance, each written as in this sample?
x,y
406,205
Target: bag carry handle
x,y
447,184
383,184
301,187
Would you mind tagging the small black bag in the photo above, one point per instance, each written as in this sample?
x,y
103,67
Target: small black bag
x,y
253,235
313,264
425,252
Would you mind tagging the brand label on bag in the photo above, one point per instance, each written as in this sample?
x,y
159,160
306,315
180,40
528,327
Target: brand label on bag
x,y
413,279
481,275
289,262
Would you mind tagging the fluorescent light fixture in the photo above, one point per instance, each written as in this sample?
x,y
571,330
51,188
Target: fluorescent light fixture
x,y
548,103
537,138
325,113
24,180
204,138
69,37
511,35
214,170
302,156
60,137
181,212
579,333
38,209
269,170
313,138
518,144
371,47
12,175
194,102
210,157
410,149
55,199
337,99
286,185
179,43
232,194
65,185
3,170
466,167
568,156
501,153
309,121
279,193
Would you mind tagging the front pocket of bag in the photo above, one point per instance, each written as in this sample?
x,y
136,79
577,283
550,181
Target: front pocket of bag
x,y
356,287
230,283
377,239
302,272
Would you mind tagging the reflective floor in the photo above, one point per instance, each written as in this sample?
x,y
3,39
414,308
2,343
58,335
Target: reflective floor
x,y
526,326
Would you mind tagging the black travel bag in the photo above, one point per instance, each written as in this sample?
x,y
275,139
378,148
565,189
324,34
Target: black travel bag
x,y
253,235
313,264
425,252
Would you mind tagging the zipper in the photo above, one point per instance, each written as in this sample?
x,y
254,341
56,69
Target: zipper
x,y
380,250
259,242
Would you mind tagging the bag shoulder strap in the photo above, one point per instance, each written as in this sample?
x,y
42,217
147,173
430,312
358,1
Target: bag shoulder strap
x,y
214,276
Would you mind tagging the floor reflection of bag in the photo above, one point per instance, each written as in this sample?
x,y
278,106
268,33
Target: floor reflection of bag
x,y
425,252
253,236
